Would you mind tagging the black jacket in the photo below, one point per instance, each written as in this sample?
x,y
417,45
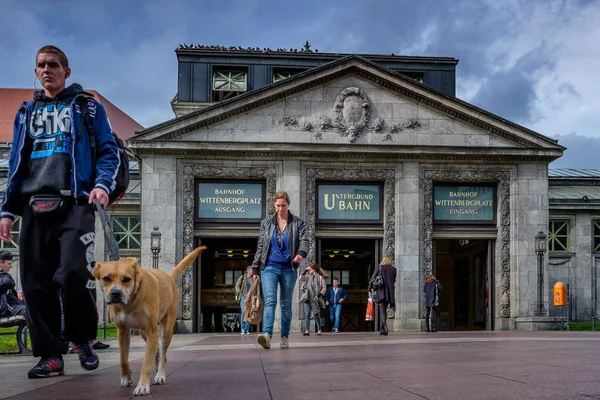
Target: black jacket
x,y
387,292
299,243
8,294
429,290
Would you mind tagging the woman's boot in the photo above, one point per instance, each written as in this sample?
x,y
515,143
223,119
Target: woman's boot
x,y
384,330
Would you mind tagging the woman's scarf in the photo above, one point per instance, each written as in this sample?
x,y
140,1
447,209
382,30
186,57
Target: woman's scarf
x,y
313,284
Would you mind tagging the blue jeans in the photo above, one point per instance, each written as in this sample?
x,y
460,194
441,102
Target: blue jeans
x,y
270,278
335,314
307,314
245,325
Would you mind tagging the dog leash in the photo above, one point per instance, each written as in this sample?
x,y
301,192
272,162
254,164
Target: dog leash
x,y
109,236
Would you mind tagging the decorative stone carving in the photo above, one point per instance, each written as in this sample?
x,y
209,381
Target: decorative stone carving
x,y
503,179
379,125
307,126
388,176
289,122
325,123
352,111
190,173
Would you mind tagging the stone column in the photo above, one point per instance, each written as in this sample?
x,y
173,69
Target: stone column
x,y
529,215
408,244
581,243
158,208
289,181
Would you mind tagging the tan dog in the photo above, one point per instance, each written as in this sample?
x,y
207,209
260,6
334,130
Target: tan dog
x,y
146,300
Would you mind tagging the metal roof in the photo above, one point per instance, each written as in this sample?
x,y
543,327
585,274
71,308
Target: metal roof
x,y
574,193
573,173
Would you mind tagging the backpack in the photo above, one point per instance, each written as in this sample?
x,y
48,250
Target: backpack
x,y
122,179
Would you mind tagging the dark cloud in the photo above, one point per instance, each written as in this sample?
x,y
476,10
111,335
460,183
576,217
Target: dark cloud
x,y
510,93
124,49
582,152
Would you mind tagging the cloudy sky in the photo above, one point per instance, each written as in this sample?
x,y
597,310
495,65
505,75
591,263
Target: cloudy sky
x,y
534,62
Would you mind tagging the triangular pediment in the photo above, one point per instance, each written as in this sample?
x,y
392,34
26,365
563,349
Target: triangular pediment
x,y
350,102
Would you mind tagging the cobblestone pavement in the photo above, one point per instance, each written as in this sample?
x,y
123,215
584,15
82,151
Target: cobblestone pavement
x,y
418,365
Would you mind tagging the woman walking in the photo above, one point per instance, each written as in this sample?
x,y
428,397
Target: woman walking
x,y
316,286
282,245
384,291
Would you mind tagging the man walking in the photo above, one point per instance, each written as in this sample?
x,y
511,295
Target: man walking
x,y
53,181
334,298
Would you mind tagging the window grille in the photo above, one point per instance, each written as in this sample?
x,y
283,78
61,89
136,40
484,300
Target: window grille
x,y
559,231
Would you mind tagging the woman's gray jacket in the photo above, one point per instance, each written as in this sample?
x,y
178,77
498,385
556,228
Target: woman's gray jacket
x,y
297,237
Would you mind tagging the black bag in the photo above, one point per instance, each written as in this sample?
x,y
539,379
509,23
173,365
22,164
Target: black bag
x,y
377,281
45,203
122,178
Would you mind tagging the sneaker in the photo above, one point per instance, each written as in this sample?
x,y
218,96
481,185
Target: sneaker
x,y
47,367
100,346
243,332
285,344
264,340
247,332
335,331
87,357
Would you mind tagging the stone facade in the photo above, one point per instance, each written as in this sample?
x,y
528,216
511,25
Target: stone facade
x,y
352,122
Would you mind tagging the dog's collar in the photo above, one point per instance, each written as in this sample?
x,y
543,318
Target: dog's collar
x,y
133,295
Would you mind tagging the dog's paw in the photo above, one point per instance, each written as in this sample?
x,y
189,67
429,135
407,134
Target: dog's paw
x,y
142,390
160,379
126,381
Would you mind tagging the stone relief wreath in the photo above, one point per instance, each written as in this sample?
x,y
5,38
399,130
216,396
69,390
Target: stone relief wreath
x,y
352,111
351,117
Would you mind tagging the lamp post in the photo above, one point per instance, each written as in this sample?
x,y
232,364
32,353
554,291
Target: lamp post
x,y
155,246
540,250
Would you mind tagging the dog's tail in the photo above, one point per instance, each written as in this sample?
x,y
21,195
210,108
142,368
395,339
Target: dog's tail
x,y
186,262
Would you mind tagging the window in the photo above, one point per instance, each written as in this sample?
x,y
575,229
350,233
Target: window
x,y
232,275
417,76
280,74
228,83
127,231
14,242
342,275
559,230
596,224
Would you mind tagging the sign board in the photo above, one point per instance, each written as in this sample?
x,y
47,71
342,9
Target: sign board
x,y
230,200
349,202
464,203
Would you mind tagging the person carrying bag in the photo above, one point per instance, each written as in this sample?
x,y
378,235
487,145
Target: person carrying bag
x,y
253,305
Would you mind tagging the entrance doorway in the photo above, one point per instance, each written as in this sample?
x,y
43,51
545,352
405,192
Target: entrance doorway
x,y
224,261
352,261
464,268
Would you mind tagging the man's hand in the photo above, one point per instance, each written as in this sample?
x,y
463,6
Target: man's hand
x,y
341,301
6,225
256,277
326,303
99,194
298,259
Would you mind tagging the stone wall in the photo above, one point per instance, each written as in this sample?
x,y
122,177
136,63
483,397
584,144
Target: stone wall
x,y
530,216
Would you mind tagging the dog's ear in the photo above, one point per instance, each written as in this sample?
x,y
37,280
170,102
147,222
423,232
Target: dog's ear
x,y
138,274
96,270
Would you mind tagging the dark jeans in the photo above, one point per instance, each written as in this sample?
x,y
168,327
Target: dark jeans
x,y
57,251
307,314
383,315
430,311
17,310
